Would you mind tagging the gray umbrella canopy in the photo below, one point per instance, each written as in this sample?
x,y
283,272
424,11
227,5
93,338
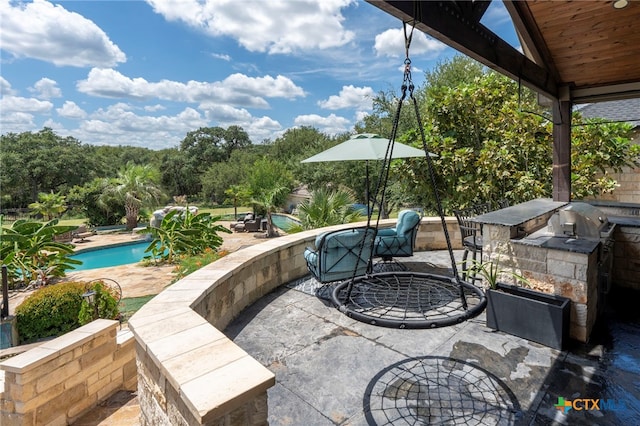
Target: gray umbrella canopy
x,y
365,146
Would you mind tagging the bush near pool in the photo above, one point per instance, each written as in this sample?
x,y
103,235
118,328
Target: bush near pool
x,y
57,309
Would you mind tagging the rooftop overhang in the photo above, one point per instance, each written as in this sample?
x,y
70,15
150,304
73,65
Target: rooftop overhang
x,y
578,51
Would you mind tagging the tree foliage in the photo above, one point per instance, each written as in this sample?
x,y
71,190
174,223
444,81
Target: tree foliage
x,y
494,142
328,207
90,201
32,163
49,205
31,253
183,233
136,187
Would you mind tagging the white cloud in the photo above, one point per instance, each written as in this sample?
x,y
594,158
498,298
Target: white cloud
x,y
350,97
50,33
154,108
10,104
119,123
360,115
16,122
5,88
45,88
225,113
71,110
391,43
274,26
222,56
237,89
331,124
262,128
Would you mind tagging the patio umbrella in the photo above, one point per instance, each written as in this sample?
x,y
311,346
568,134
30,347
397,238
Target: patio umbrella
x,y
365,146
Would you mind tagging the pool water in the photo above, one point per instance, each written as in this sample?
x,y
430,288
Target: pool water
x,y
121,254
284,222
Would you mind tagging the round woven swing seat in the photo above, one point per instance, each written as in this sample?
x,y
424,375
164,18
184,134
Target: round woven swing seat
x,y
409,300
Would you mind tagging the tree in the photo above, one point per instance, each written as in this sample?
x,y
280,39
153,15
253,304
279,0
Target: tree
x,y
269,200
269,183
42,162
179,174
136,187
219,177
237,195
494,141
49,205
99,209
327,207
235,138
598,148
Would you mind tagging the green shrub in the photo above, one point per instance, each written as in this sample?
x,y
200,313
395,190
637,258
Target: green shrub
x,y
105,302
57,309
50,311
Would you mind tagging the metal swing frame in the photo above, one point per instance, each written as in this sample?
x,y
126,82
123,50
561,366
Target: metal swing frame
x,y
408,299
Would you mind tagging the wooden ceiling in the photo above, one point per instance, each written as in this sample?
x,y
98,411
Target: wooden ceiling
x,y
582,51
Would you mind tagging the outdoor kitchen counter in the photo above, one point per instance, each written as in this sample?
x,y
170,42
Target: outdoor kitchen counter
x,y
521,213
545,239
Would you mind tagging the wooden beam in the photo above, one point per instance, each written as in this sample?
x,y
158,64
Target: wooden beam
x,y
562,150
446,21
530,36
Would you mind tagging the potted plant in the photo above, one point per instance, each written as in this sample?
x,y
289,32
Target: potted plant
x,y
513,309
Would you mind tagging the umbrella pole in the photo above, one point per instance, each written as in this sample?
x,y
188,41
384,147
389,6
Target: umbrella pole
x,y
366,189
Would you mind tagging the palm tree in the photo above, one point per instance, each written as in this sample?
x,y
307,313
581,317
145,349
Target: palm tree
x,y
237,194
136,186
327,208
269,200
49,205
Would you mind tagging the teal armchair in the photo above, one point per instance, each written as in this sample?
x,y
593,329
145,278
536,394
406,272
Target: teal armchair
x,y
340,255
398,241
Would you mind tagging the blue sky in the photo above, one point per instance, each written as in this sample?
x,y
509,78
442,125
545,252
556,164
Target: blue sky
x,y
144,73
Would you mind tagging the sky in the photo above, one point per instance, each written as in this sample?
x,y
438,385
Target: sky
x,y
145,73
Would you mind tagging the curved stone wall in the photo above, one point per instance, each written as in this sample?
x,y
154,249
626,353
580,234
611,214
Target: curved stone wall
x,y
188,371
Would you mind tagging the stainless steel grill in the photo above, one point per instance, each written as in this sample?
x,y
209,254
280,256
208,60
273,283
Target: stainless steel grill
x,y
581,220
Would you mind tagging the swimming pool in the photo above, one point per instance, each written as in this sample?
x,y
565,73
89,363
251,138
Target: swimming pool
x,y
116,255
283,221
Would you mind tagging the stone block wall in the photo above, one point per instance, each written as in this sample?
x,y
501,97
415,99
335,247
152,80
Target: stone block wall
x,y
564,273
60,380
626,262
628,190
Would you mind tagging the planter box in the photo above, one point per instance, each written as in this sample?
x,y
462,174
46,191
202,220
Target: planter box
x,y
535,316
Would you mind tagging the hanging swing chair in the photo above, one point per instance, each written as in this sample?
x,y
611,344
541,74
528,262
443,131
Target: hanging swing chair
x,y
407,299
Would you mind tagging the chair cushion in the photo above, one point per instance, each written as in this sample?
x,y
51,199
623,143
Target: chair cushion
x,y
407,220
311,256
386,232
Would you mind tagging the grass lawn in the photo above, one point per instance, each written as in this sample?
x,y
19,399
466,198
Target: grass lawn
x,y
131,304
227,213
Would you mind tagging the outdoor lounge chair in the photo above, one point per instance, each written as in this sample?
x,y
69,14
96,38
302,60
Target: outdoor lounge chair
x,y
253,225
398,241
81,233
239,226
341,255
